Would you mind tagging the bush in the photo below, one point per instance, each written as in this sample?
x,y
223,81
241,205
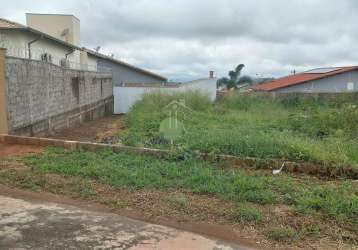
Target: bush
x,y
282,234
326,122
180,202
245,213
336,202
238,101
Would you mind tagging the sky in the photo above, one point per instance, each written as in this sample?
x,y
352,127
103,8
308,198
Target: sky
x,y
185,39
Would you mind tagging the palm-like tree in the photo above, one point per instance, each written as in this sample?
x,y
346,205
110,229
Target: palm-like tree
x,y
234,77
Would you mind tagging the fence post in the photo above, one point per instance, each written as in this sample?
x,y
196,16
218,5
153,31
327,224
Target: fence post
x,y
3,94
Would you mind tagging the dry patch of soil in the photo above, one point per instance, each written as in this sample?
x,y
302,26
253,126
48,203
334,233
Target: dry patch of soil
x,y
8,150
99,130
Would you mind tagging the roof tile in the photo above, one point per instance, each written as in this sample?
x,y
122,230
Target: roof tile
x,y
300,78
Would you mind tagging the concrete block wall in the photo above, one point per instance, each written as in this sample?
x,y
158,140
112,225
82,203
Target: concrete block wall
x,y
42,97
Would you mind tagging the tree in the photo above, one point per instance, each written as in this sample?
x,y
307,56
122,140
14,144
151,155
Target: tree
x,y
234,77
246,79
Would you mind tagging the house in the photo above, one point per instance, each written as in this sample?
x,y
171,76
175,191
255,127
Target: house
x,y
26,42
320,80
56,39
124,73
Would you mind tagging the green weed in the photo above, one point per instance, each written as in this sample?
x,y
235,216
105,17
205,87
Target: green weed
x,y
339,202
282,234
255,125
179,202
244,213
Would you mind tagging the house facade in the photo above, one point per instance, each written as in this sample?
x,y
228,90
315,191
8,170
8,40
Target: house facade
x,y
321,80
56,39
124,73
24,42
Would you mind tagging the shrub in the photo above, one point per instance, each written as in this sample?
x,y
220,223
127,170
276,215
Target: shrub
x,y
238,101
282,234
180,202
324,122
245,213
336,202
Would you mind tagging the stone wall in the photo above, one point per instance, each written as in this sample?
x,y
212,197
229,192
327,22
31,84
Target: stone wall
x,y
43,97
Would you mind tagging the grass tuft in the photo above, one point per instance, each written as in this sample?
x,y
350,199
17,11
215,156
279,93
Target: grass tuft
x,y
245,214
281,234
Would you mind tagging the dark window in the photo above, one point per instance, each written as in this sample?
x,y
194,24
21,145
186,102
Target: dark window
x,y
76,89
45,57
101,87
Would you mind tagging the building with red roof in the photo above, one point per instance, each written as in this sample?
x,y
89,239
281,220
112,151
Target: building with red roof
x,y
320,80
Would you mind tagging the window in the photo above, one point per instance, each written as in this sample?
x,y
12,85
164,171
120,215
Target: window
x,y
64,63
101,87
76,89
46,57
350,86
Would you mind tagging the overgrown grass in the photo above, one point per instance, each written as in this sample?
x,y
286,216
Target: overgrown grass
x,y
282,234
292,128
246,213
335,201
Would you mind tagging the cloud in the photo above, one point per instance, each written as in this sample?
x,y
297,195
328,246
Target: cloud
x,y
187,38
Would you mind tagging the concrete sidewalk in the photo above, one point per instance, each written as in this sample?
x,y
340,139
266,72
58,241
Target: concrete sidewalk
x,y
28,225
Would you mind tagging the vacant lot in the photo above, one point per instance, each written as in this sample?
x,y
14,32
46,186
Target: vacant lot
x,y
292,128
281,211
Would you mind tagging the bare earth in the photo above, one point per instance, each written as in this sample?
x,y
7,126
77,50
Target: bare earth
x,y
42,225
93,131
17,150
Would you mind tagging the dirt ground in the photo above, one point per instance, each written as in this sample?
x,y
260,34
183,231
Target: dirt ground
x,y
99,130
7,150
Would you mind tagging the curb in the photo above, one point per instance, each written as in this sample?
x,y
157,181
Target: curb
x,y
234,162
76,145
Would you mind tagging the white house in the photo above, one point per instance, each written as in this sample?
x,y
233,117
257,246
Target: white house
x,y
56,39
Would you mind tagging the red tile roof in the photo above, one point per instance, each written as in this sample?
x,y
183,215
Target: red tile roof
x,y
300,78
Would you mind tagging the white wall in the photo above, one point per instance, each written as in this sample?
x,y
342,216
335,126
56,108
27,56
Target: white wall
x,y
92,62
16,43
126,97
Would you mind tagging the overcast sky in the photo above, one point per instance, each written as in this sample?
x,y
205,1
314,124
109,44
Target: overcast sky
x,y
185,39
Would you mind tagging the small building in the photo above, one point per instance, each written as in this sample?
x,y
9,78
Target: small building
x,y
320,80
26,42
55,38
124,73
